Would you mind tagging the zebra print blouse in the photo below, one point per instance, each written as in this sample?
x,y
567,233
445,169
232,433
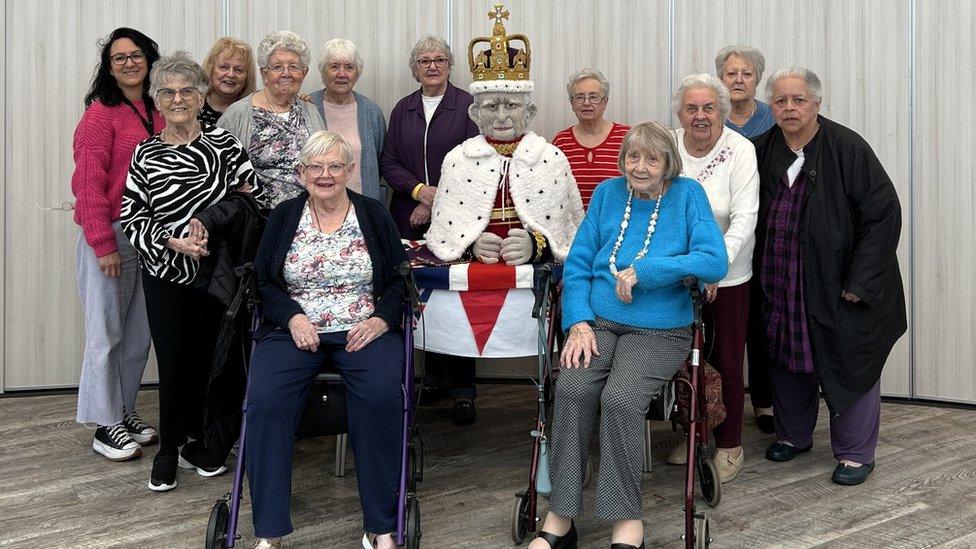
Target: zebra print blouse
x,y
168,184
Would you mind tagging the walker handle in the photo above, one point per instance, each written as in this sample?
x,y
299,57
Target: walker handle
x,y
413,296
541,288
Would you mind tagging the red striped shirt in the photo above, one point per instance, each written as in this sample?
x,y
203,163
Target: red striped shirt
x,y
591,166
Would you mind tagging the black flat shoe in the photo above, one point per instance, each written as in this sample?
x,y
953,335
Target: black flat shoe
x,y
625,546
766,424
846,475
567,541
431,394
463,412
779,451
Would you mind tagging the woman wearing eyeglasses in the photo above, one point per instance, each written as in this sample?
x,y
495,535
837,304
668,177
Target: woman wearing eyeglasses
x,y
119,113
592,145
424,127
273,124
331,295
175,176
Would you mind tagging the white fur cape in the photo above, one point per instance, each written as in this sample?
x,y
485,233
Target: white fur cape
x,y
540,181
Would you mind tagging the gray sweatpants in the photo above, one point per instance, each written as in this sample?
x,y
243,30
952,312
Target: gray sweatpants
x,y
116,334
633,366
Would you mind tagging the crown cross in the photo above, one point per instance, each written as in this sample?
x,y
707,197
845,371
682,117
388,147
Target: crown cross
x,y
497,14
500,61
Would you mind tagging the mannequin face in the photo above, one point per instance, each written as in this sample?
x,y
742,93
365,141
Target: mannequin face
x,y
502,116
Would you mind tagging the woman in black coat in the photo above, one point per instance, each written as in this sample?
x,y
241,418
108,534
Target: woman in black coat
x,y
828,300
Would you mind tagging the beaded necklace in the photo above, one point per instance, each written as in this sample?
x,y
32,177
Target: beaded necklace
x,y
651,225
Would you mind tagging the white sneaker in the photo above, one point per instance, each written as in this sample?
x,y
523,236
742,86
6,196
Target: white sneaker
x,y
265,543
114,442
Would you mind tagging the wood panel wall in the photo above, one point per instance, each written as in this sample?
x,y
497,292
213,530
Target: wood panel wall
x,y
863,52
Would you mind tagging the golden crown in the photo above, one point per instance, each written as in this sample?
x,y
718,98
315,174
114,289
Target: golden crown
x,y
497,64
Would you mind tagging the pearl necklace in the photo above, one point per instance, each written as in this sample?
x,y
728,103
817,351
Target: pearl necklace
x,y
651,225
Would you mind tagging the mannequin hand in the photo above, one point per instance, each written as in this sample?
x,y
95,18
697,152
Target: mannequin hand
x,y
517,248
487,248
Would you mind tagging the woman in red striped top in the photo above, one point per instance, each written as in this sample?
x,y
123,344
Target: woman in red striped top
x,y
592,146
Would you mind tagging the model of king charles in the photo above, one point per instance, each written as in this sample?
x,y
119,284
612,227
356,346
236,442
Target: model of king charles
x,y
506,195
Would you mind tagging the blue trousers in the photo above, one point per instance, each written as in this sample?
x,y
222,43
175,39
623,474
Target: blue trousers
x,y
280,377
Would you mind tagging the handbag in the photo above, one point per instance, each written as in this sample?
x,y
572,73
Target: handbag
x,y
325,410
714,407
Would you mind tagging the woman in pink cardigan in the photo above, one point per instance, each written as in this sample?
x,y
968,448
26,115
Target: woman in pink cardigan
x,y
118,115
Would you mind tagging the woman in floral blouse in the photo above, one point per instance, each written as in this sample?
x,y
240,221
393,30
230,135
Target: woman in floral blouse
x,y
724,163
330,295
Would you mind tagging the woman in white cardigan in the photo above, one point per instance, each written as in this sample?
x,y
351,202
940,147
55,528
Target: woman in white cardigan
x,y
724,163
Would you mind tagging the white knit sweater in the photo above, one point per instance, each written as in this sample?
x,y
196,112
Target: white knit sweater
x,y
728,174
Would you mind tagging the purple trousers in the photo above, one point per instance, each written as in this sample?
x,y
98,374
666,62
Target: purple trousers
x,y
796,401
727,334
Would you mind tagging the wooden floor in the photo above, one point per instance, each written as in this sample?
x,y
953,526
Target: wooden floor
x,y
54,492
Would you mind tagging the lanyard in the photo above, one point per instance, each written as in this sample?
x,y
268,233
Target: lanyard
x,y
148,124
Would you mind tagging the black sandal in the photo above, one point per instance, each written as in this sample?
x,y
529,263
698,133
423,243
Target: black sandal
x,y
567,541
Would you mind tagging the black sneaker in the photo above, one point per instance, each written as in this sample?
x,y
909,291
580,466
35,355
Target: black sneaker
x,y
163,476
115,444
463,412
196,456
139,430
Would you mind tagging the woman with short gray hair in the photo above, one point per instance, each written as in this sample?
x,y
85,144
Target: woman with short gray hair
x,y
273,123
175,176
350,114
741,69
724,163
592,145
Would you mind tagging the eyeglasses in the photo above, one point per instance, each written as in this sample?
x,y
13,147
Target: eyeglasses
x,y
593,98
335,169
169,94
440,62
280,69
120,59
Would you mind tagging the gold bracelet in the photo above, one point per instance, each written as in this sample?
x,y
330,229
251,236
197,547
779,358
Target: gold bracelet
x,y
540,245
416,191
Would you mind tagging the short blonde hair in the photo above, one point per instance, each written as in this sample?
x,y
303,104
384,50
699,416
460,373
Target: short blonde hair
x,y
323,141
656,138
232,47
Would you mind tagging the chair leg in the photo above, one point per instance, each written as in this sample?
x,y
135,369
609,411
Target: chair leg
x,y
340,455
647,446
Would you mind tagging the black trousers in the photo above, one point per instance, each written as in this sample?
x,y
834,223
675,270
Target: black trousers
x,y
184,323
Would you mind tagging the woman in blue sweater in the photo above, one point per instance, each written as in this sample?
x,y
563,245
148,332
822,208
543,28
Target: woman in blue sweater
x,y
628,319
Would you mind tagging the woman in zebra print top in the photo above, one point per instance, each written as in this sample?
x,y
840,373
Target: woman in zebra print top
x,y
174,176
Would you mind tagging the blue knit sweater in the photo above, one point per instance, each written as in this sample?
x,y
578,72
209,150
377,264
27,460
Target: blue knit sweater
x,y
687,241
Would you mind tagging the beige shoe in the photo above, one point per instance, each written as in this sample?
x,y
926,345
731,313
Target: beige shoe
x,y
728,465
679,454
265,543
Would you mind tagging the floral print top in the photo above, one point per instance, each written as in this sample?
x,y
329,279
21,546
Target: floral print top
x,y
275,143
330,274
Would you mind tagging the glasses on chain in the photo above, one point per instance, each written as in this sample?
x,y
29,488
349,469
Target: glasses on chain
x,y
593,98
169,94
120,59
335,169
440,62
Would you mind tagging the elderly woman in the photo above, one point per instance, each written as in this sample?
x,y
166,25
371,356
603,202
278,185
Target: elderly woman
x,y
592,145
331,295
741,70
174,176
230,66
119,113
353,116
629,319
424,127
829,303
274,124
724,163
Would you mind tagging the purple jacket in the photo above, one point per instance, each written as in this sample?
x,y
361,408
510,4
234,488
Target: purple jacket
x,y
404,152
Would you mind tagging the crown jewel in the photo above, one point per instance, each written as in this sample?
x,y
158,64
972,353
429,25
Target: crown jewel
x,y
497,63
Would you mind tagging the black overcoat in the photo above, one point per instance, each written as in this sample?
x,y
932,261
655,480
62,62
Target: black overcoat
x,y
849,229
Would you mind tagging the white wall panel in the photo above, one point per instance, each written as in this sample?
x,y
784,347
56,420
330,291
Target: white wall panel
x,y
3,189
51,51
626,40
384,32
860,51
945,140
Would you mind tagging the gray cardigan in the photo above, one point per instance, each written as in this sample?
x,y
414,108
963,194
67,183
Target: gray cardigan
x,y
372,132
238,120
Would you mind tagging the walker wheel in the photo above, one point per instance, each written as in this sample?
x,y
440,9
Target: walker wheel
x,y
520,518
703,537
588,472
217,527
711,483
413,523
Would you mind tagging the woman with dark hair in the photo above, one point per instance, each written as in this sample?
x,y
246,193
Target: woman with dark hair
x,y
118,115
